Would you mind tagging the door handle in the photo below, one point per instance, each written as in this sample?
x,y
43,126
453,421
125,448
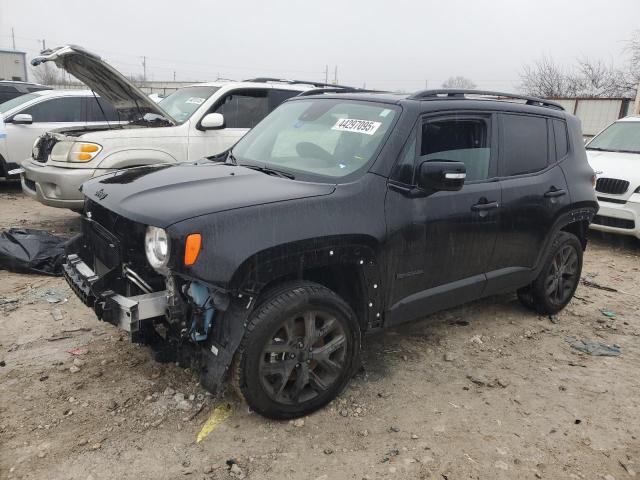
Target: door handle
x,y
481,207
553,192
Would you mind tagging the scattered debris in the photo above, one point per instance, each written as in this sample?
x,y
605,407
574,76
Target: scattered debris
x,y
593,348
78,351
298,422
608,313
57,337
589,283
219,414
57,314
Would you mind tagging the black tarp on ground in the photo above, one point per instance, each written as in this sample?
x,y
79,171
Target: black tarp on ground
x,y
31,251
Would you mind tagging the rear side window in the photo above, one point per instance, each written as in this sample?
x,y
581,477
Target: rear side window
x,y
95,114
524,144
66,109
276,97
244,109
457,139
560,134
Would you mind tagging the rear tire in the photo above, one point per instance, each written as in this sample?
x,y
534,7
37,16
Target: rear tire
x,y
299,351
558,279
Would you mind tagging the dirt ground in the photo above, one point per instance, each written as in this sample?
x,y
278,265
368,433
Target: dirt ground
x,y
485,391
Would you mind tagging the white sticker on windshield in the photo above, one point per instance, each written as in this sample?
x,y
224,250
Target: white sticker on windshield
x,y
385,112
195,100
354,125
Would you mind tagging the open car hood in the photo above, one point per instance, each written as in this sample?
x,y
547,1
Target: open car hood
x,y
131,103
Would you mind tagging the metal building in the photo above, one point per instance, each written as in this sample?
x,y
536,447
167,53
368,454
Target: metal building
x,y
13,65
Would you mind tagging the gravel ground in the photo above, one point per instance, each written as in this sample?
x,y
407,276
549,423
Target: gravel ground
x,y
485,391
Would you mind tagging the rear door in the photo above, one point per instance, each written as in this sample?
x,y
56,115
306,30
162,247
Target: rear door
x,y
534,192
98,111
47,115
440,245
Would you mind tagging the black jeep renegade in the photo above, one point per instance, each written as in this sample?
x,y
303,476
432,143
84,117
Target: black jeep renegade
x,y
338,214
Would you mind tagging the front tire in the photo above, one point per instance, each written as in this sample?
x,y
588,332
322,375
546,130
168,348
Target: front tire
x,y
559,278
300,349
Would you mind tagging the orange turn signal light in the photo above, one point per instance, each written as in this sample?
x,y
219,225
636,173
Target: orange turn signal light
x,y
89,148
192,248
85,156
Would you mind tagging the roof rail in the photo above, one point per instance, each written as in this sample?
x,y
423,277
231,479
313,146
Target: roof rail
x,y
444,94
295,82
317,91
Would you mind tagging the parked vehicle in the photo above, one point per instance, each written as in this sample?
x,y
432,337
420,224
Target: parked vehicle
x,y
338,214
10,89
30,115
194,121
615,156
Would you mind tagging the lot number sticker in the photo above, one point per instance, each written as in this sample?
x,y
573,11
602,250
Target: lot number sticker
x,y
354,125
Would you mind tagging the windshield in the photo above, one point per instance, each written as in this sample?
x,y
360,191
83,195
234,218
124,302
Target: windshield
x,y
16,102
182,103
618,137
325,137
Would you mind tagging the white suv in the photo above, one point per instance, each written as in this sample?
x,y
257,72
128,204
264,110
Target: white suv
x,y
28,116
193,122
614,154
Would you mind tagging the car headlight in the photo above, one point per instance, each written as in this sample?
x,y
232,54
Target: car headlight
x,y
66,151
156,246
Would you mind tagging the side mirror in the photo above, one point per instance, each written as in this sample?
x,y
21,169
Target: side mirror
x,y
22,118
440,175
212,121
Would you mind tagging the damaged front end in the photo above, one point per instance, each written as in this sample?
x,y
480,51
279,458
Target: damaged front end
x,y
181,319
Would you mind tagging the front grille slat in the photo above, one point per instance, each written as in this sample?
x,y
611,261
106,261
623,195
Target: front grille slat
x,y
612,186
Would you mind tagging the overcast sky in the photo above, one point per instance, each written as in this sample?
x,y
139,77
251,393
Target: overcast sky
x,y
393,45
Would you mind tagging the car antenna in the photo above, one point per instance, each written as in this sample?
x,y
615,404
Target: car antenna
x,y
101,109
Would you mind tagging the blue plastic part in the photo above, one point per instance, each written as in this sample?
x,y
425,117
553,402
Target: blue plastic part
x,y
201,296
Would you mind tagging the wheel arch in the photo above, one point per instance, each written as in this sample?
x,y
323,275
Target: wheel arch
x,y
135,157
349,265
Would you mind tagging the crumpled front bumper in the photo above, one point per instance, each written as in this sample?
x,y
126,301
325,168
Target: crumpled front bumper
x,y
128,313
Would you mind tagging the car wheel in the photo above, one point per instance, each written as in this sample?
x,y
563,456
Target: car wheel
x,y
559,278
300,348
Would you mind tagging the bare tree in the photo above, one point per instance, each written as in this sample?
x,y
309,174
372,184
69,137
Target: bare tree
x,y
48,74
459,82
545,79
588,78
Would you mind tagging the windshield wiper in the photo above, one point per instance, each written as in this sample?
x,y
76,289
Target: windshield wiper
x,y
269,171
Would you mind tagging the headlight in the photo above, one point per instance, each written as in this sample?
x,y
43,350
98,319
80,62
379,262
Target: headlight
x,y
156,246
75,151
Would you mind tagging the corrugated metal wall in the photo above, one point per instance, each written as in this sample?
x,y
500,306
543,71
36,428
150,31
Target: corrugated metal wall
x,y
595,113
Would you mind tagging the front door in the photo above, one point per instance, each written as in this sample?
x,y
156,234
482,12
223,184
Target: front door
x,y
440,245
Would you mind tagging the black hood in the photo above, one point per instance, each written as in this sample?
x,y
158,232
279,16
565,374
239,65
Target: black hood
x,y
162,195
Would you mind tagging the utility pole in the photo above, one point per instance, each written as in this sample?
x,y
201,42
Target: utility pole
x,y
326,73
174,75
13,38
335,76
44,45
144,69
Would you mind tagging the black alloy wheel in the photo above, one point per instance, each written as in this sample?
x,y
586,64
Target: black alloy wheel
x,y
300,349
